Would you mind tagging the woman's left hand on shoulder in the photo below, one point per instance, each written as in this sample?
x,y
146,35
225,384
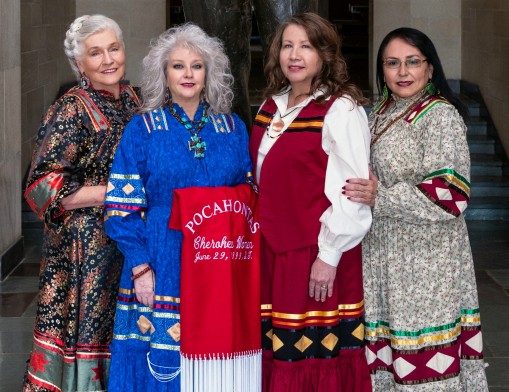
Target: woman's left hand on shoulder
x,y
361,190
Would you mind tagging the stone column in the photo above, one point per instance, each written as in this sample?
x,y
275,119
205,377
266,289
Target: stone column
x,y
11,241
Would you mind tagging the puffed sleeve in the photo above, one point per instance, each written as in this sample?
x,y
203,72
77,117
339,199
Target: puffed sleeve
x,y
442,189
346,141
56,171
126,201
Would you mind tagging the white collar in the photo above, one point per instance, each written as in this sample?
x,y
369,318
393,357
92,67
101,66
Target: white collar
x,y
281,99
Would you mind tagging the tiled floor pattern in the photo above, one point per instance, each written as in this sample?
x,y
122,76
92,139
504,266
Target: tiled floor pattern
x,y
490,246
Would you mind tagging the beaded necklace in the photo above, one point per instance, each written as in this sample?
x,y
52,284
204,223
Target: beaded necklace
x,y
377,135
196,143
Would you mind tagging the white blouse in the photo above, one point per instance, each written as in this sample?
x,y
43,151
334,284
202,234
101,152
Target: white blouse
x,y
345,139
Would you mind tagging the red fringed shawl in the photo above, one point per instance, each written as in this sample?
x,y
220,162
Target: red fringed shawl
x,y
220,271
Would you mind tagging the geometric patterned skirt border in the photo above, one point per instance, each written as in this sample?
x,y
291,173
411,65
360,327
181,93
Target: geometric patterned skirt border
x,y
434,359
311,345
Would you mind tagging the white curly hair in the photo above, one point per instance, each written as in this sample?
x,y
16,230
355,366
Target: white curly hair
x,y
218,77
82,28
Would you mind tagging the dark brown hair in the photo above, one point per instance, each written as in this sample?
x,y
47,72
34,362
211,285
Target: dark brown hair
x,y
332,78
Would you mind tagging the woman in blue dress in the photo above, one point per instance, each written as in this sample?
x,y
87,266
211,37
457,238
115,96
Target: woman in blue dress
x,y
183,136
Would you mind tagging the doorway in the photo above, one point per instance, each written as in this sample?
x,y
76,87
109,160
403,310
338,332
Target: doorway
x,y
351,18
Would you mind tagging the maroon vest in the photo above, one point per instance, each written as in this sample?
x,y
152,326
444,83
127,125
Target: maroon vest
x,y
292,179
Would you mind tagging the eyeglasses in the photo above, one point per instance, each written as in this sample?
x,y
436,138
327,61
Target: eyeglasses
x,y
410,63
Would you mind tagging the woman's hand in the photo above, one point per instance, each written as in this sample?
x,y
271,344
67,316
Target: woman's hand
x,y
86,196
361,190
321,280
144,285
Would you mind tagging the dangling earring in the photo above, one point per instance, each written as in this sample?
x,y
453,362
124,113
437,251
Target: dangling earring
x,y
84,81
385,92
430,88
167,96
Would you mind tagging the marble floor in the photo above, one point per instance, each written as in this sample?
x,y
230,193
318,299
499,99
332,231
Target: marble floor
x,y
490,246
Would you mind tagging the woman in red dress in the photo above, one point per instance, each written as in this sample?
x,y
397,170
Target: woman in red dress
x,y
309,137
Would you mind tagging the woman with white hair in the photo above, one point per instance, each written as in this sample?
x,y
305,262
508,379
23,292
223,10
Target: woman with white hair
x,y
185,138
80,267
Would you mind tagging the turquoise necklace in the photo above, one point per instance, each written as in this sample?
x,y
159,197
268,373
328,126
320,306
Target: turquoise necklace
x,y
196,143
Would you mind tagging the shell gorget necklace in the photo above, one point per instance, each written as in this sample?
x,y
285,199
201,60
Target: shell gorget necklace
x,y
279,124
196,143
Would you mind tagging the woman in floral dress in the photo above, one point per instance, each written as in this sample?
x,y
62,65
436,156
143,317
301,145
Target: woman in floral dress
x,y
422,313
80,268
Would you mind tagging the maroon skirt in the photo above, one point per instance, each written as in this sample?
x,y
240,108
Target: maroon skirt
x,y
309,345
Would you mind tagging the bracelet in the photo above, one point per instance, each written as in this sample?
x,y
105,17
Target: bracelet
x,y
143,271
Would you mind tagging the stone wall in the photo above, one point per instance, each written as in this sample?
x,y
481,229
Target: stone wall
x,y
438,19
44,66
11,242
140,21
485,52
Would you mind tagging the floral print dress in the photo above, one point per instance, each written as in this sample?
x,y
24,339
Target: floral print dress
x,y
422,313
80,267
